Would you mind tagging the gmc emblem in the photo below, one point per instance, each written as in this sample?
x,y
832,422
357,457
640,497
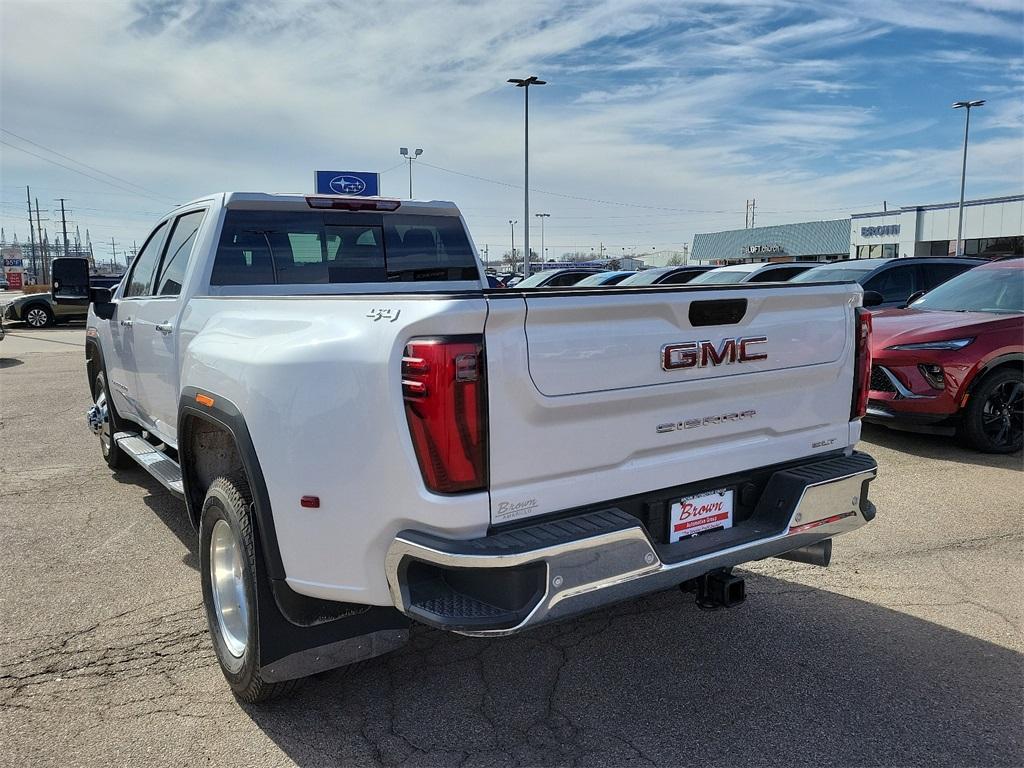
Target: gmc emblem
x,y
701,354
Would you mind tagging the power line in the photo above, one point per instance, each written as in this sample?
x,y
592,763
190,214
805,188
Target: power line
x,y
79,162
82,173
620,202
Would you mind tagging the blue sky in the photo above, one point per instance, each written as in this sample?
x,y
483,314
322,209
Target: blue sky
x,y
660,119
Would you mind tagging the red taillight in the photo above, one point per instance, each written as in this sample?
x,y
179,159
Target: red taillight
x,y
445,394
862,366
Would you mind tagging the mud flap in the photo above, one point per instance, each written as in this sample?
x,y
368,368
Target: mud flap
x,y
318,635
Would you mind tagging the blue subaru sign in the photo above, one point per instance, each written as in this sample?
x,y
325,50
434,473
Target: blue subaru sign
x,y
347,183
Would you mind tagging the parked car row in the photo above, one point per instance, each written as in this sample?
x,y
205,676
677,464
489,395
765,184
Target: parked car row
x,y
897,281
948,343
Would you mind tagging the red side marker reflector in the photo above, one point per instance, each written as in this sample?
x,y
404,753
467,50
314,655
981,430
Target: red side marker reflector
x,y
205,400
310,502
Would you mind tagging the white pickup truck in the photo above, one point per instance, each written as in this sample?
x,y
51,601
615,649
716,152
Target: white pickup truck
x,y
364,434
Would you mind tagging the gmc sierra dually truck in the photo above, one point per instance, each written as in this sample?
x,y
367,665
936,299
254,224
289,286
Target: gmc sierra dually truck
x,y
365,435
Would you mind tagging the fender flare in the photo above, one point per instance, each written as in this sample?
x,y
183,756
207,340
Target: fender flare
x,y
225,414
980,373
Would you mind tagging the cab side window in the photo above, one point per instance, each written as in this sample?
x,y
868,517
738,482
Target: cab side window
x,y
570,278
937,274
896,283
140,281
179,248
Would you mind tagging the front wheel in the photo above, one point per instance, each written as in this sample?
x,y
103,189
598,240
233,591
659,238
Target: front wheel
x,y
993,421
38,316
228,561
103,421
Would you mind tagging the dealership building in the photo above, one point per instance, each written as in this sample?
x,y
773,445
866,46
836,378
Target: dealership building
x,y
992,227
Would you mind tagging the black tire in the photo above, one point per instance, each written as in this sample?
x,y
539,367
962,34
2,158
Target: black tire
x,y
993,421
114,456
37,315
229,502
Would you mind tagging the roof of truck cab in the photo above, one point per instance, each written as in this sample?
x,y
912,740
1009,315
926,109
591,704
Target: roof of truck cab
x,y
297,201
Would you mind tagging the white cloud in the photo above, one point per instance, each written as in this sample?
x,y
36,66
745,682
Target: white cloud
x,y
686,106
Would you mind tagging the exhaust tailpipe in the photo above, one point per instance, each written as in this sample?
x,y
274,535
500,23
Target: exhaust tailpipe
x,y
813,554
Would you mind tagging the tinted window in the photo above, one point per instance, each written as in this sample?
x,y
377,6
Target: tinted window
x,y
895,283
937,274
987,289
718,277
777,275
679,278
647,277
140,281
179,248
570,278
851,272
536,279
302,248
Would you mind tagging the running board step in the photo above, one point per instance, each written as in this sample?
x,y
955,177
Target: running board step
x,y
156,462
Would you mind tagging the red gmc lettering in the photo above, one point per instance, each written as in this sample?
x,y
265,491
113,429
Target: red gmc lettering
x,y
701,354
745,356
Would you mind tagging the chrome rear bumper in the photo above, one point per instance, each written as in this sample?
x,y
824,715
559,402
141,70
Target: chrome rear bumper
x,y
507,582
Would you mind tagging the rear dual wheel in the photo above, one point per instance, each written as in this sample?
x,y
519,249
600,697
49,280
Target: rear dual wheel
x,y
228,562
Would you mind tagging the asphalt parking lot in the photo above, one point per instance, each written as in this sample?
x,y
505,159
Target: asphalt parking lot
x,y
906,651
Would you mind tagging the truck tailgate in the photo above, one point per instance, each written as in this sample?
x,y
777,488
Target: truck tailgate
x,y
597,396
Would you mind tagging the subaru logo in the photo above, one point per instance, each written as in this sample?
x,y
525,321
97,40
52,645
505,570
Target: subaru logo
x,y
347,185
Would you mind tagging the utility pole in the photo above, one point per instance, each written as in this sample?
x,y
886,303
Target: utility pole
x,y
113,251
512,226
31,233
543,250
64,226
45,263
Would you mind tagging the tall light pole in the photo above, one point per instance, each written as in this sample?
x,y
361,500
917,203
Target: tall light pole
x,y
404,152
525,84
963,171
543,250
512,226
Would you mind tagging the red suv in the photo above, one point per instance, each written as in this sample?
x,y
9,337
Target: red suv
x,y
953,361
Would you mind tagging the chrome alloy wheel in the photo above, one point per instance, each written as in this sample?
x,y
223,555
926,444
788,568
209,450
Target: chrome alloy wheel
x,y
228,587
99,420
37,317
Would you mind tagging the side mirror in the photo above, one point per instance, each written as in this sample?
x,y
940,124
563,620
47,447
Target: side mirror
x,y
101,302
873,299
69,278
914,297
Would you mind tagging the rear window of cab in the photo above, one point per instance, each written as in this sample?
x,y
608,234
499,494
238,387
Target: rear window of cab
x,y
316,247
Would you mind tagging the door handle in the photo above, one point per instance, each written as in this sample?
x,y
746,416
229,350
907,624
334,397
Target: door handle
x,y
165,328
127,322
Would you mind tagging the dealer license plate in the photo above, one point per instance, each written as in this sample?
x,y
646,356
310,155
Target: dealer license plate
x,y
696,514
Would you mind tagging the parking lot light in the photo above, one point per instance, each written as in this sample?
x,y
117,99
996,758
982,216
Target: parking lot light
x,y
963,171
525,84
